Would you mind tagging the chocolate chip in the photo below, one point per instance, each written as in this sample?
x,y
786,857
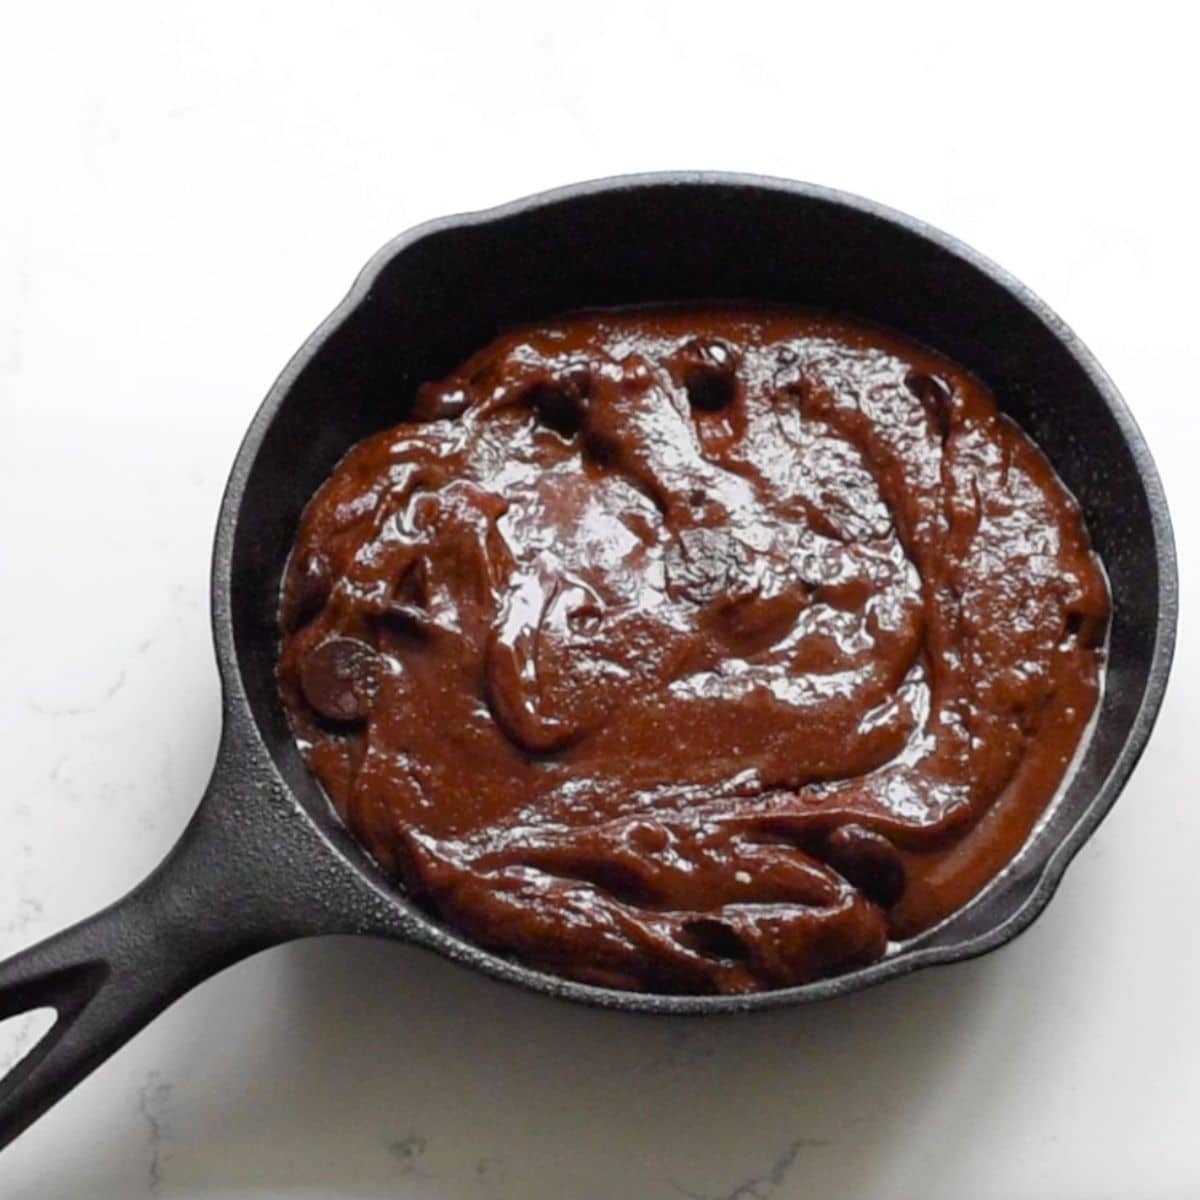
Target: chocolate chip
x,y
868,861
714,939
339,679
585,619
709,390
559,402
648,837
1085,629
557,408
707,368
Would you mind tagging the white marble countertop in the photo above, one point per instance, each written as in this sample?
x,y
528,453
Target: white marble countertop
x,y
186,191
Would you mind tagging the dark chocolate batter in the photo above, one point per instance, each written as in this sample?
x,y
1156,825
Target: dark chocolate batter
x,y
694,651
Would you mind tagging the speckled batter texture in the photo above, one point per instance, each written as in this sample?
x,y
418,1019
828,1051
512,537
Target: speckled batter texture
x,y
693,651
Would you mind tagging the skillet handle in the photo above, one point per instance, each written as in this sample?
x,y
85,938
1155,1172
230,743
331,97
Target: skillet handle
x,y
107,977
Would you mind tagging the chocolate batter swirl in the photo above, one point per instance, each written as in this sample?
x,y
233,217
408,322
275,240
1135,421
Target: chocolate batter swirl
x,y
694,651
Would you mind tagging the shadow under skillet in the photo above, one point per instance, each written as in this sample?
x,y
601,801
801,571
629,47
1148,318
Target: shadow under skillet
x,y
380,1072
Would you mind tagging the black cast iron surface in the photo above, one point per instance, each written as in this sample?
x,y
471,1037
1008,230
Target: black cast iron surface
x,y
265,860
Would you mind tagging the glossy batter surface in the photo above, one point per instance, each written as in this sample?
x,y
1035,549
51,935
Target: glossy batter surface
x,y
693,651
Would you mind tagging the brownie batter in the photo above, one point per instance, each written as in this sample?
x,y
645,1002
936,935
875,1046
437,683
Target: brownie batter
x,y
694,651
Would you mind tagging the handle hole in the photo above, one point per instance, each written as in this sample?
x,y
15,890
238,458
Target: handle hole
x,y
21,1035
37,1011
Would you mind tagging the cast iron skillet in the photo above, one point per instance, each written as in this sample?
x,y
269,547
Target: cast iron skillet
x,y
265,860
